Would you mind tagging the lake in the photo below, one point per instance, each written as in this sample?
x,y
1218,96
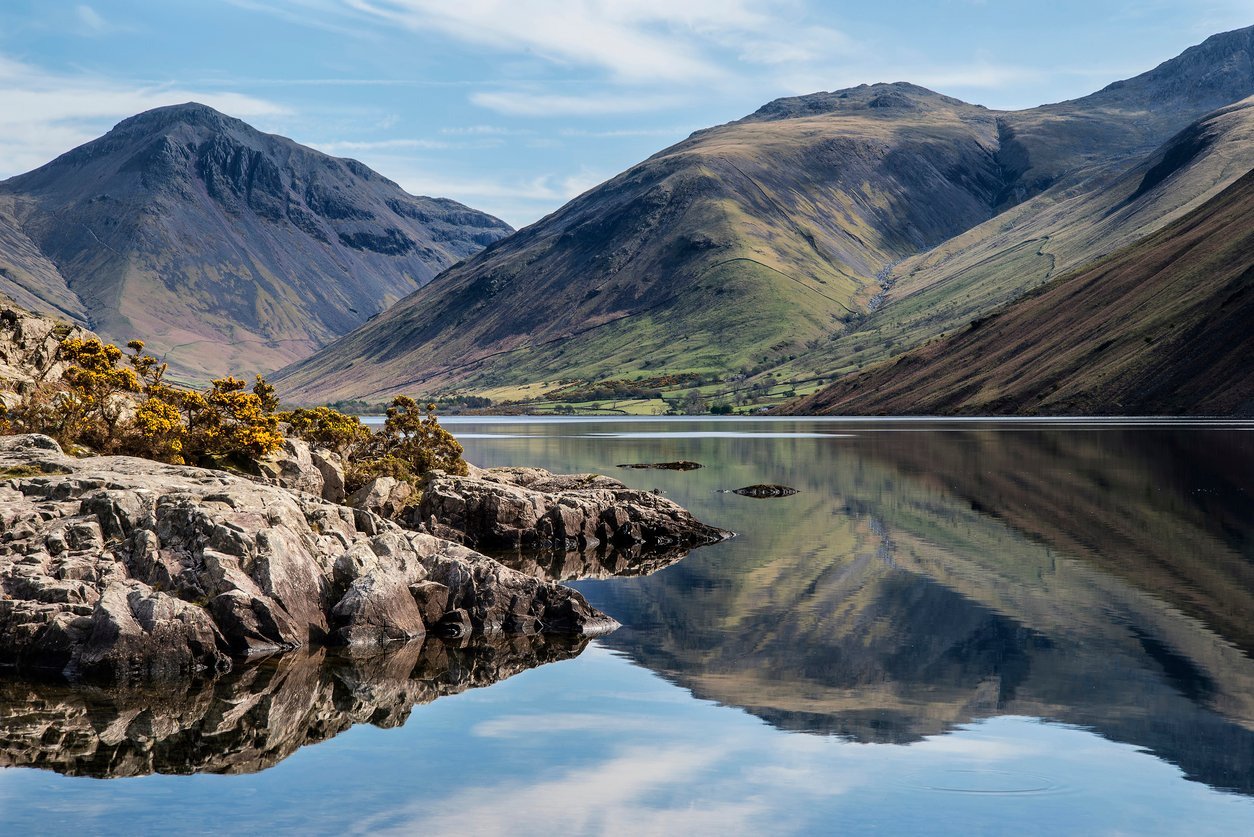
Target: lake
x,y
961,627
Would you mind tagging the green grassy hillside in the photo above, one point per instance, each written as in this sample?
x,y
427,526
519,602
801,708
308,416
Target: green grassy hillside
x,y
788,244
1161,327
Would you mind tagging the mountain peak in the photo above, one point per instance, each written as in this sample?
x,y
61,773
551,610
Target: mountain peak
x,y
1211,74
883,97
188,113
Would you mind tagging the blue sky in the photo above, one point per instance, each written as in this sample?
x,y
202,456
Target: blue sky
x,y
515,106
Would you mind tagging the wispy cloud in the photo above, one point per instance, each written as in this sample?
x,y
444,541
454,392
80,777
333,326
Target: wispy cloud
x,y
356,147
520,103
644,40
90,19
43,114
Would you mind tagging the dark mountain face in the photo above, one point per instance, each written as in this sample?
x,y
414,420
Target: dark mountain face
x,y
747,244
1048,145
226,248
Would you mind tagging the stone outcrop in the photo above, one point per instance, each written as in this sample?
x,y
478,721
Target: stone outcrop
x,y
511,508
28,351
124,568
254,717
385,496
762,490
298,467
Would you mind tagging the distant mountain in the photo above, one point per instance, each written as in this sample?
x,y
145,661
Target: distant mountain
x,y
225,248
1165,326
749,245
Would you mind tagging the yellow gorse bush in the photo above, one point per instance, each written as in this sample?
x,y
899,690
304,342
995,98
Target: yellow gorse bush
x,y
112,402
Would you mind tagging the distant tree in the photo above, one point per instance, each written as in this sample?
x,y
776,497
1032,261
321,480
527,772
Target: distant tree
x,y
694,402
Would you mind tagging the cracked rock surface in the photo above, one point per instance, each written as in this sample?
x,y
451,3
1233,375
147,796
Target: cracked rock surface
x,y
122,568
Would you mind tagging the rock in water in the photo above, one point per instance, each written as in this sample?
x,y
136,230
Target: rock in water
x,y
123,568
508,508
761,491
680,465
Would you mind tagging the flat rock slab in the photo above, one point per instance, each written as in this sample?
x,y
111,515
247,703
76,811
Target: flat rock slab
x,y
529,508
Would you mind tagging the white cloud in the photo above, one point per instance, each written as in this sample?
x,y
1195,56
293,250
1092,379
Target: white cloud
x,y
90,19
520,103
341,147
45,114
644,40
489,130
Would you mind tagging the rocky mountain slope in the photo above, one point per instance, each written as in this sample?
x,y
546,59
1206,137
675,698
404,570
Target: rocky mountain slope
x,y
225,248
943,289
752,242
1161,327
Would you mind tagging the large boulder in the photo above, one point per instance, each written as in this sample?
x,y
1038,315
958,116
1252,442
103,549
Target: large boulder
x,y
511,508
385,496
121,567
298,467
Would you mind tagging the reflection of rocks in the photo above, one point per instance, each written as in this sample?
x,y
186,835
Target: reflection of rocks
x,y
124,568
252,718
602,562
507,508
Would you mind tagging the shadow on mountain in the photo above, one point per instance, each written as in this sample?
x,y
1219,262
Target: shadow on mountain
x,y
254,717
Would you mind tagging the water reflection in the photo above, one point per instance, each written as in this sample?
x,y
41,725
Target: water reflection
x,y
924,580
604,562
254,717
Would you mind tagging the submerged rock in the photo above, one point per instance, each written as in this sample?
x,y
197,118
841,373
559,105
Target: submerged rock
x,y
763,490
124,568
678,465
511,508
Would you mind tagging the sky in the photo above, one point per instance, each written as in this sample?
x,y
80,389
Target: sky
x,y
516,106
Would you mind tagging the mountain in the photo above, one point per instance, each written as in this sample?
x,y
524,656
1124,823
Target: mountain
x,y
1164,326
751,244
942,290
225,248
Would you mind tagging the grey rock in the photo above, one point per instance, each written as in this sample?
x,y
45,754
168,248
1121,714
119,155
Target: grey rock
x,y
127,569
331,466
292,466
510,508
28,351
386,497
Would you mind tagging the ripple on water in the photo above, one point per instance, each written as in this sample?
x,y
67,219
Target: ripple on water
x,y
984,782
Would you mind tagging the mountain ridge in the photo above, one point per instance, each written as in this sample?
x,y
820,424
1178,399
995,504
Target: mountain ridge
x,y
784,222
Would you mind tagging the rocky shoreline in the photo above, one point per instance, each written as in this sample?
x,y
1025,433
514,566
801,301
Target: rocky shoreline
x,y
123,569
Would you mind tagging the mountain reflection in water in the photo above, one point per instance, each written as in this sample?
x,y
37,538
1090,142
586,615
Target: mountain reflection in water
x,y
927,575
921,580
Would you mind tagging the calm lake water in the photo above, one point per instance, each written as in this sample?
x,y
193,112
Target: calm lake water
x,y
955,627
